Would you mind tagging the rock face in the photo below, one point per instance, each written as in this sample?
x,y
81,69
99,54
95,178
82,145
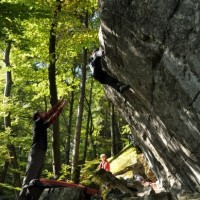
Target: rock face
x,y
62,194
154,45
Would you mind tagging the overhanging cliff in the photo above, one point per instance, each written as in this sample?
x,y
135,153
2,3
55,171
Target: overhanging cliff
x,y
155,47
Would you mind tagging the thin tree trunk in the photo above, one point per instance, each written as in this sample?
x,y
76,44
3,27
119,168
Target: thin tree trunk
x,y
14,163
112,130
75,172
7,119
53,89
119,143
71,105
69,125
75,155
88,123
4,171
91,138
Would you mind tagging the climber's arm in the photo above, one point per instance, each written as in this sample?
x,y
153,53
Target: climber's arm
x,y
55,115
53,110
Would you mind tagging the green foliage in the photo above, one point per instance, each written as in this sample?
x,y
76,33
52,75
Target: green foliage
x,y
47,174
126,129
12,13
87,172
5,188
27,25
89,168
65,172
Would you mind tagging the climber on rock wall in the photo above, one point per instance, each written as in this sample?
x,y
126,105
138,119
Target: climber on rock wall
x,y
96,66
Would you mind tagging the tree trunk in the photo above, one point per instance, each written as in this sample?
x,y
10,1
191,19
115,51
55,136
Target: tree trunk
x,y
7,120
91,139
7,89
4,171
112,130
88,123
119,144
71,105
75,156
14,163
53,89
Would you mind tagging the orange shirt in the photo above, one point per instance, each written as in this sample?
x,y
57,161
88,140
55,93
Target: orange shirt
x,y
105,165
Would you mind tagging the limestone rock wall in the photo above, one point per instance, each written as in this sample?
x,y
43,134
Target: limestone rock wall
x,y
154,45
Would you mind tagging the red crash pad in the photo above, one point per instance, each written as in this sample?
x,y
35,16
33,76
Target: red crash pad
x,y
54,183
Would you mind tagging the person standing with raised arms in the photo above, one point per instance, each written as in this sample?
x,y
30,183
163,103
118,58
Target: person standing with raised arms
x,y
36,158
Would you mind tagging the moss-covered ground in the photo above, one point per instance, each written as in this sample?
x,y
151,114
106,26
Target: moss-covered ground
x,y
124,159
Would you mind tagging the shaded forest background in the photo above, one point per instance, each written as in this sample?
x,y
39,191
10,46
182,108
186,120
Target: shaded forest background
x,y
45,47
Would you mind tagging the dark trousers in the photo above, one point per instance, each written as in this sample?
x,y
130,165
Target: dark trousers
x,y
105,78
33,171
